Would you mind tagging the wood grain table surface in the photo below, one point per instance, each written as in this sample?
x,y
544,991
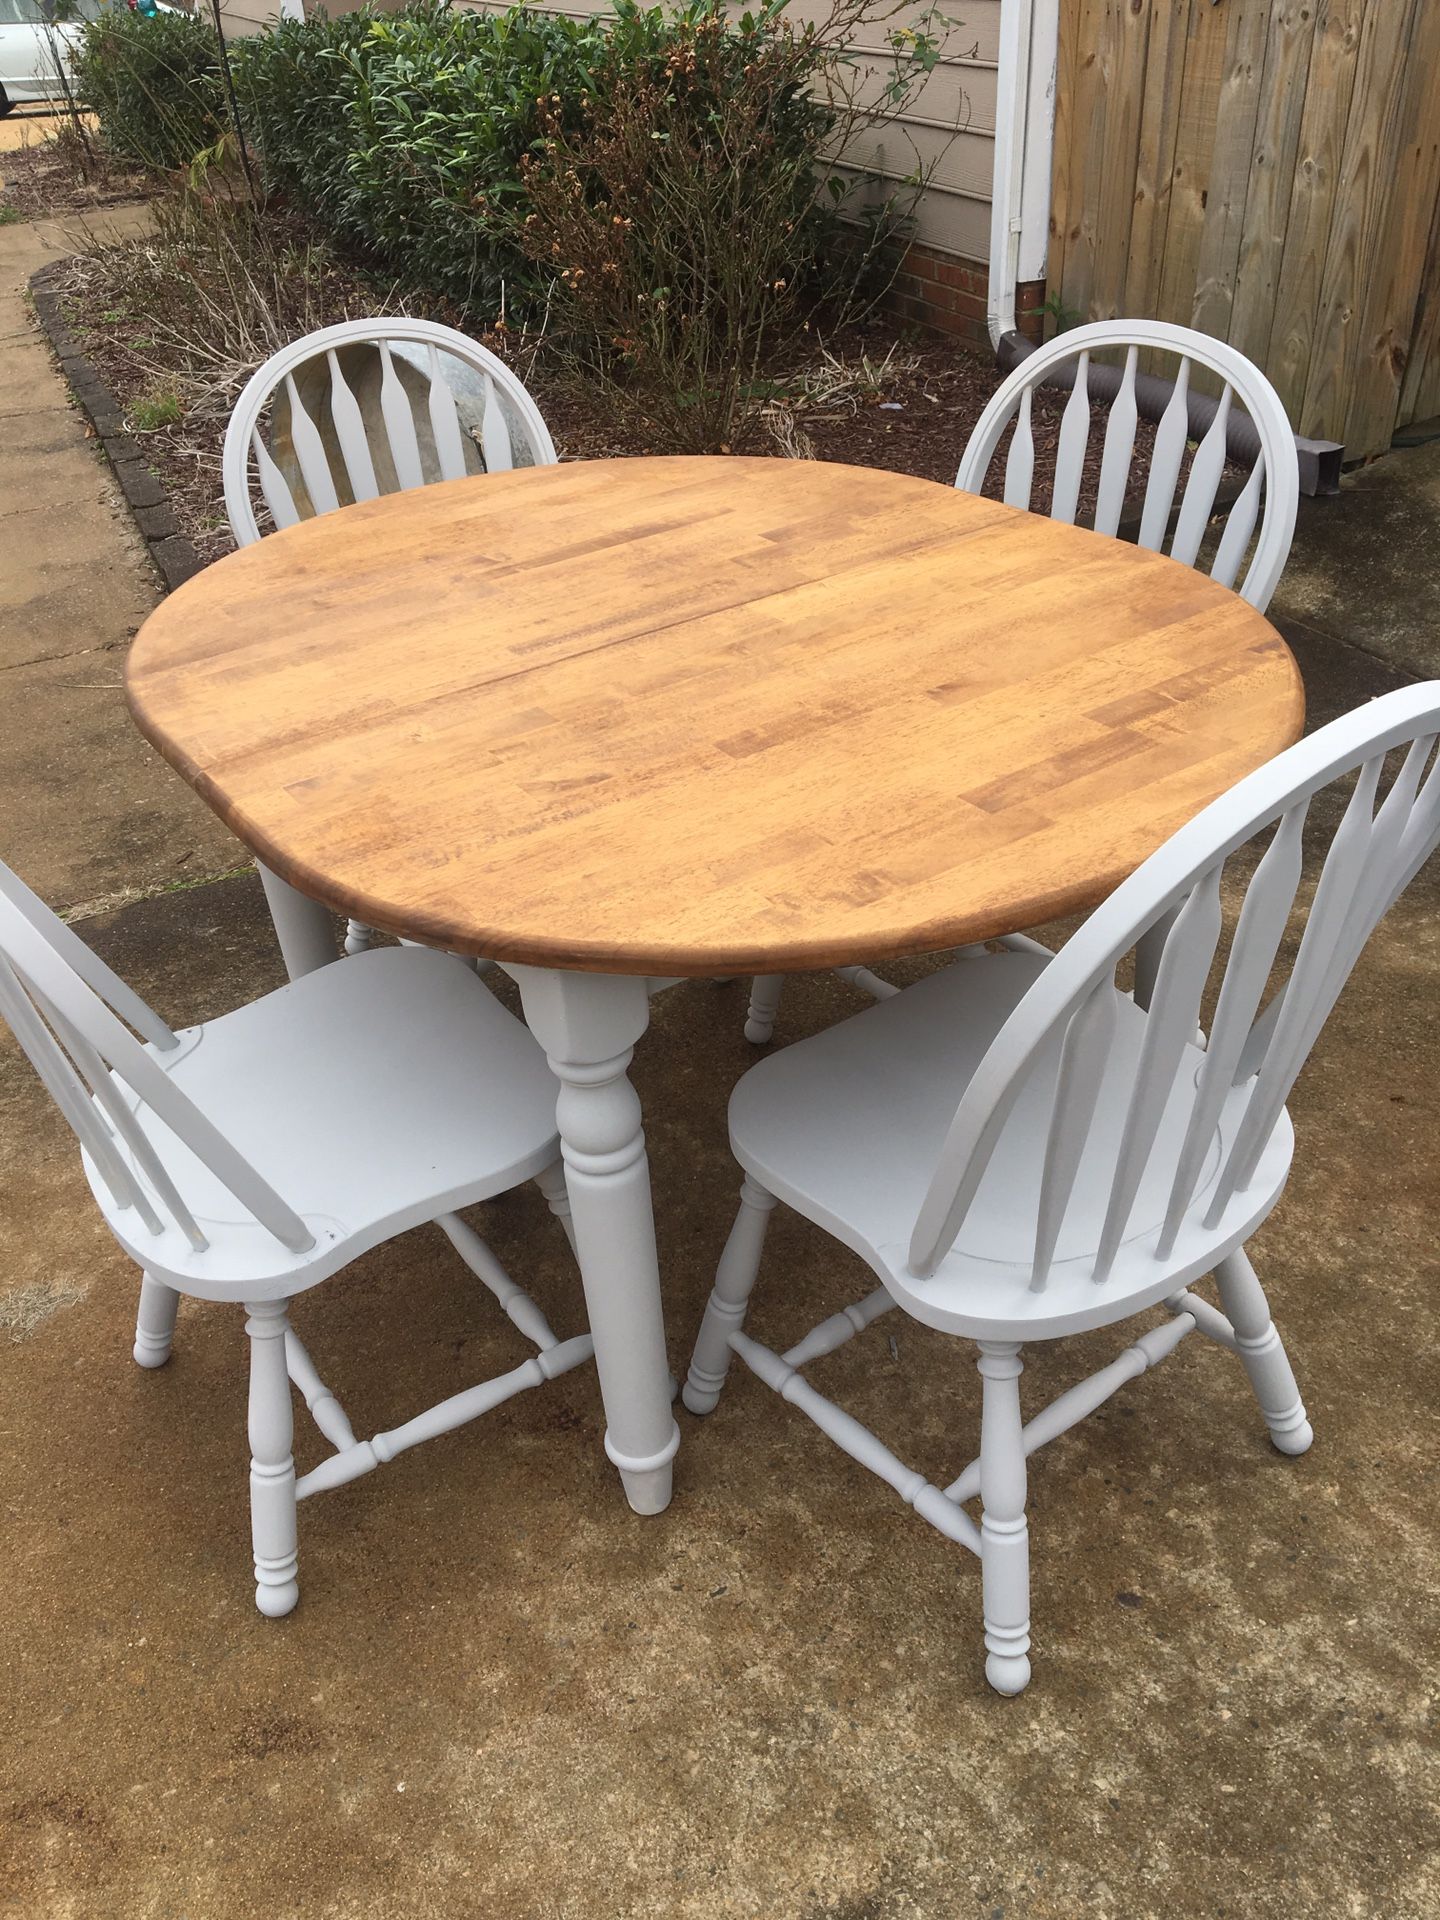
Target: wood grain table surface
x,y
705,715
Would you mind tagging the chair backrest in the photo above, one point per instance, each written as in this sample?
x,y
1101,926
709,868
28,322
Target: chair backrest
x,y
1274,477
1058,1040
371,407
69,1012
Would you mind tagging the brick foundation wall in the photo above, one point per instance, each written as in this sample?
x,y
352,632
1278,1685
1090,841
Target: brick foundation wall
x,y
948,295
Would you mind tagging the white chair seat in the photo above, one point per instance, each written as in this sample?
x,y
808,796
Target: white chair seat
x,y
859,1166
251,1157
407,1124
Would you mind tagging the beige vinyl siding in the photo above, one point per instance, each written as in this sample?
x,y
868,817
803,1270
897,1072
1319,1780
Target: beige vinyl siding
x,y
239,17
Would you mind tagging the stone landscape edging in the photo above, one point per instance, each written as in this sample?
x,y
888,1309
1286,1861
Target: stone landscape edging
x,y
174,558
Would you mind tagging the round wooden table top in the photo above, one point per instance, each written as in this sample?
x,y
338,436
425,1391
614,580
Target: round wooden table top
x,y
710,715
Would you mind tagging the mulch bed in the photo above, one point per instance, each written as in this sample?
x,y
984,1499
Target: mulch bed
x,y
41,179
876,395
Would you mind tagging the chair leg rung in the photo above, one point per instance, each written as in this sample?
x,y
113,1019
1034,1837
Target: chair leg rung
x,y
1210,1321
858,1441
325,1410
867,982
839,1328
364,1456
515,1303
1081,1400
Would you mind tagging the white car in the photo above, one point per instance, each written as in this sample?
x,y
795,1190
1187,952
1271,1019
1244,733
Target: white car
x,y
34,35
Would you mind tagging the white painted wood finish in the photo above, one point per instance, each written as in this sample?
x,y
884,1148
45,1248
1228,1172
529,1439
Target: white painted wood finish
x,y
588,1024
1021,1151
414,431
333,453
1274,478
253,1157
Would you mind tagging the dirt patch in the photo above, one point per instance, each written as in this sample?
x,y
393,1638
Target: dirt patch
x,y
49,173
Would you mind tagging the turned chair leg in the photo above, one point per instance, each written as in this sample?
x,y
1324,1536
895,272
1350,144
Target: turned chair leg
x,y
765,992
154,1322
1004,1534
557,1196
272,1467
358,937
725,1310
1263,1353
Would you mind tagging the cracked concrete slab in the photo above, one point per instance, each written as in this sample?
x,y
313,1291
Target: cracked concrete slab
x,y
89,808
90,811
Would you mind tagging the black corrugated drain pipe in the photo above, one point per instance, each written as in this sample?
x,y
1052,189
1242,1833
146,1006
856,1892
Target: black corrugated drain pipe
x,y
1319,459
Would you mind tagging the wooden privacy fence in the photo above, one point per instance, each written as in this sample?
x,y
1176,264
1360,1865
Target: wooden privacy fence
x,y
1268,171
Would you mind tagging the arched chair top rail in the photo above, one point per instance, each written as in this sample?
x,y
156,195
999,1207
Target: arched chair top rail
x,y
354,434
80,1049
73,951
1373,856
1275,474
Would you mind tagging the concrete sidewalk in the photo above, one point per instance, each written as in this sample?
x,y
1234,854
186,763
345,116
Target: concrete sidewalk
x,y
504,1697
90,812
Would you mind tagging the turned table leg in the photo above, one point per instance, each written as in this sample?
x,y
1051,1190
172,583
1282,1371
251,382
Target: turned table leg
x,y
588,1024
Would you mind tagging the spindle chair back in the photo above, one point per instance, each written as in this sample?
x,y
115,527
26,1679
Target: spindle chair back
x,y
446,1100
415,429
418,424
1022,1150
1269,497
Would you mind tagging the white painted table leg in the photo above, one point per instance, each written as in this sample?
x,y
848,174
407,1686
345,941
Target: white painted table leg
x,y
588,1024
302,926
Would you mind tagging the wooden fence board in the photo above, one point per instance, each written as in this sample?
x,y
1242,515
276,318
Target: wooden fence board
x,y
1420,392
1333,56
1205,39
1409,172
1370,136
1064,194
1155,155
1227,187
1122,66
1269,171
1283,92
1087,152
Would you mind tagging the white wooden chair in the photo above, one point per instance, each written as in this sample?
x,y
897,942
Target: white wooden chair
x,y
250,1158
371,407
1270,496
1101,1158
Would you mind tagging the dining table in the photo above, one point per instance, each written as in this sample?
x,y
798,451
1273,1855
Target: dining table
x,y
612,723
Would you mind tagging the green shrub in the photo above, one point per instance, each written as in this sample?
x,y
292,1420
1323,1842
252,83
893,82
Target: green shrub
x,y
403,134
663,184
680,215
154,85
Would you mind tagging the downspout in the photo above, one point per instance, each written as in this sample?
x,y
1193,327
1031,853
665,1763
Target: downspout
x,y
1024,145
1020,234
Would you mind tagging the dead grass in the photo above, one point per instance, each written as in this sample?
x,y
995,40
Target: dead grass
x,y
25,1309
